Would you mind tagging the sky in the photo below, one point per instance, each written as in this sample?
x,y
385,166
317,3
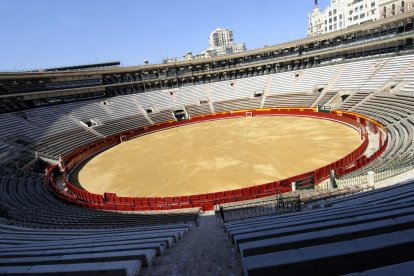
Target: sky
x,y
37,34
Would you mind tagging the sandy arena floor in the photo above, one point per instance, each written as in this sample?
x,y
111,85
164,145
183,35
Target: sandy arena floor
x,y
217,156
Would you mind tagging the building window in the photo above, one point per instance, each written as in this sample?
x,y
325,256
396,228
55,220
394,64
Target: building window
x,y
335,18
340,17
372,4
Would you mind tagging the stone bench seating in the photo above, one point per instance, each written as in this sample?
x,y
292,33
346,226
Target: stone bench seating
x,y
366,226
295,227
116,268
238,104
197,110
29,202
357,254
354,99
145,256
373,195
120,125
74,240
326,236
162,116
290,99
403,269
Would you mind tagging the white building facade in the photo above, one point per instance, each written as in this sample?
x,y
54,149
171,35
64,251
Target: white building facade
x,y
221,43
389,8
341,14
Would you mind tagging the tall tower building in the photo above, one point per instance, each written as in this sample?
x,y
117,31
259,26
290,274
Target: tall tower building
x,y
316,21
221,43
220,37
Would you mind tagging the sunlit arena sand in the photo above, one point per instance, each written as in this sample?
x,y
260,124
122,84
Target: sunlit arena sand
x,y
217,156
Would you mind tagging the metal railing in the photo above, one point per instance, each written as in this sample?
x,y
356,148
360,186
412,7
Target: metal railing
x,y
274,205
391,170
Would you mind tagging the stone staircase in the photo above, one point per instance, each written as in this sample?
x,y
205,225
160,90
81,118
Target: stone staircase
x,y
204,250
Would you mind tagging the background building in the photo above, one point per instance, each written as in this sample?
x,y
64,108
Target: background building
x,y
389,8
341,14
221,43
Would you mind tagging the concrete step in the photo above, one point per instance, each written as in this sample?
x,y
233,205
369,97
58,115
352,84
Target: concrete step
x,y
204,250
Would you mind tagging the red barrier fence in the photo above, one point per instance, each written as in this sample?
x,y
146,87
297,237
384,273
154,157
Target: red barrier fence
x,y
110,201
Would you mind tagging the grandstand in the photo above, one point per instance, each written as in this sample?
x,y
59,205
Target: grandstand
x,y
53,120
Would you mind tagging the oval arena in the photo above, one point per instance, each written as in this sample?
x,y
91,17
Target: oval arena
x,y
217,156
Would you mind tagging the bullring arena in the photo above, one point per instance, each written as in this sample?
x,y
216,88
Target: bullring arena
x,y
292,159
218,156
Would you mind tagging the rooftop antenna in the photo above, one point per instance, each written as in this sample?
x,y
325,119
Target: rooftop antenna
x,y
316,2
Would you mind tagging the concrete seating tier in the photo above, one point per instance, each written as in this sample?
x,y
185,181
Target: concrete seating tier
x,y
197,110
120,125
28,201
238,104
290,99
361,232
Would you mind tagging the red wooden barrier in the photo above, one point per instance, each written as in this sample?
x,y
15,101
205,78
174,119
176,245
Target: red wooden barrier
x,y
110,201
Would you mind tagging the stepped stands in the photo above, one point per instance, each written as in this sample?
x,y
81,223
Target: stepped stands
x,y
122,124
403,269
407,75
42,235
314,77
327,97
408,88
160,99
84,111
191,95
4,148
388,72
196,110
13,127
50,119
248,86
354,99
120,107
290,99
63,143
162,116
355,75
396,112
221,91
29,202
237,104
282,82
359,232
115,268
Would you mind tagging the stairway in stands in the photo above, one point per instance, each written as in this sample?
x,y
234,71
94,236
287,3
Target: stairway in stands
x,y
204,250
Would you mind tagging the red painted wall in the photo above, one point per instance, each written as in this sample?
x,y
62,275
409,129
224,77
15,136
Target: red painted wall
x,y
110,201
